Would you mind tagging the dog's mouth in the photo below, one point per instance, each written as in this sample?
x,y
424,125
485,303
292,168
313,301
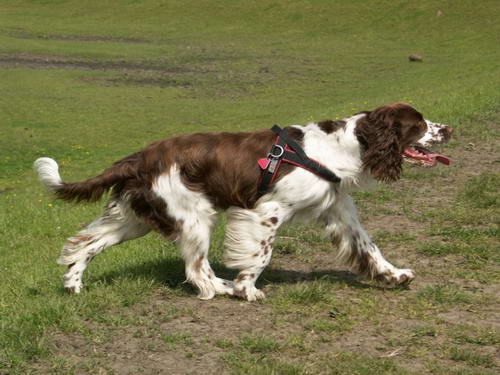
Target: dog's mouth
x,y
426,157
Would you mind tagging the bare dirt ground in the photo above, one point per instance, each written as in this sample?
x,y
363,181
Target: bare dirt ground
x,y
40,61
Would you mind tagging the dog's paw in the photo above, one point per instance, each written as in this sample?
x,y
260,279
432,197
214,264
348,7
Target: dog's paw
x,y
74,288
249,293
73,284
206,295
402,277
223,286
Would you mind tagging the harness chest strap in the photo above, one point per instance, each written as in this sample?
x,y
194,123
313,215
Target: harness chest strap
x,y
288,151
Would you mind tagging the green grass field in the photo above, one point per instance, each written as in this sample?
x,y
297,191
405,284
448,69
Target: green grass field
x,y
88,82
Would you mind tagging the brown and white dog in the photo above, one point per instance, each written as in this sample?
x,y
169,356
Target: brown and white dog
x,y
177,186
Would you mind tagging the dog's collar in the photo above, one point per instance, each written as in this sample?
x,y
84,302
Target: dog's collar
x,y
286,150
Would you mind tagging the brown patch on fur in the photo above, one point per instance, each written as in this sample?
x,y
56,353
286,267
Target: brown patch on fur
x,y
263,243
384,134
363,264
360,260
241,277
384,277
206,161
141,171
402,279
265,224
256,254
208,164
274,220
252,275
198,263
446,132
80,238
241,293
336,240
295,133
70,266
330,126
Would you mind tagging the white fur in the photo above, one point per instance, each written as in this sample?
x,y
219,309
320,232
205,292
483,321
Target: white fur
x,y
434,135
48,173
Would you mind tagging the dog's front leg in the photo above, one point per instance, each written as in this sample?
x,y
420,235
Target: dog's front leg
x,y
357,250
249,243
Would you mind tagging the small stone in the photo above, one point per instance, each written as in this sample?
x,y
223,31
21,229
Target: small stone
x,y
415,58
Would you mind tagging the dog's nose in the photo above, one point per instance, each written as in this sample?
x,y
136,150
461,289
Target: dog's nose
x,y
446,131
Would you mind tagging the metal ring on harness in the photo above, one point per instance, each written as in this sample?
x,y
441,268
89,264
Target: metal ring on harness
x,y
281,151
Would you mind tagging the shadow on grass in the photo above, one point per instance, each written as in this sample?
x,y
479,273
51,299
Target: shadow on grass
x,y
170,272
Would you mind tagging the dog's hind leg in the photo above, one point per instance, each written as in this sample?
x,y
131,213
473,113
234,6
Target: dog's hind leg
x,y
117,224
249,243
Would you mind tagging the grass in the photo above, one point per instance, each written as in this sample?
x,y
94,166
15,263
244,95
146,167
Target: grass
x,y
472,358
174,340
445,295
481,192
90,83
259,344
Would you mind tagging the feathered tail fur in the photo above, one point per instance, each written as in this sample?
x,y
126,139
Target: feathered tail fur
x,y
89,190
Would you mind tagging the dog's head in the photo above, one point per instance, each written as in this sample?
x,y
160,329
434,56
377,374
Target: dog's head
x,y
394,131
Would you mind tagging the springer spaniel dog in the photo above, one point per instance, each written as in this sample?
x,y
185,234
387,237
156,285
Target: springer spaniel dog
x,y
177,186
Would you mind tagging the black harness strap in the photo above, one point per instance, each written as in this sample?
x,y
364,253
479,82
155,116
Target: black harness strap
x,y
288,151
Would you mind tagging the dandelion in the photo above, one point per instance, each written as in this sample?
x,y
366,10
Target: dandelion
x,y
49,205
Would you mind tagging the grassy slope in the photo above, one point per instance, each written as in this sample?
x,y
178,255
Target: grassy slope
x,y
231,66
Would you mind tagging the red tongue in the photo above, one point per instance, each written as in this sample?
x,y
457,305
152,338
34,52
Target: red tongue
x,y
428,156
442,159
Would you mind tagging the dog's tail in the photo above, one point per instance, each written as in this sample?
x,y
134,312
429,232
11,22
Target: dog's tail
x,y
89,190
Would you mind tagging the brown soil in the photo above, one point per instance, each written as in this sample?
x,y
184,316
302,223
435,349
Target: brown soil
x,y
79,38
33,61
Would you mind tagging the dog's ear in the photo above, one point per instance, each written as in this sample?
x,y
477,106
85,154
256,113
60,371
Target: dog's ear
x,y
383,134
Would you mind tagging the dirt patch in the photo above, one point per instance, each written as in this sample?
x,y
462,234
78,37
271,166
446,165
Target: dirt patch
x,y
78,38
202,76
161,82
32,61
170,341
